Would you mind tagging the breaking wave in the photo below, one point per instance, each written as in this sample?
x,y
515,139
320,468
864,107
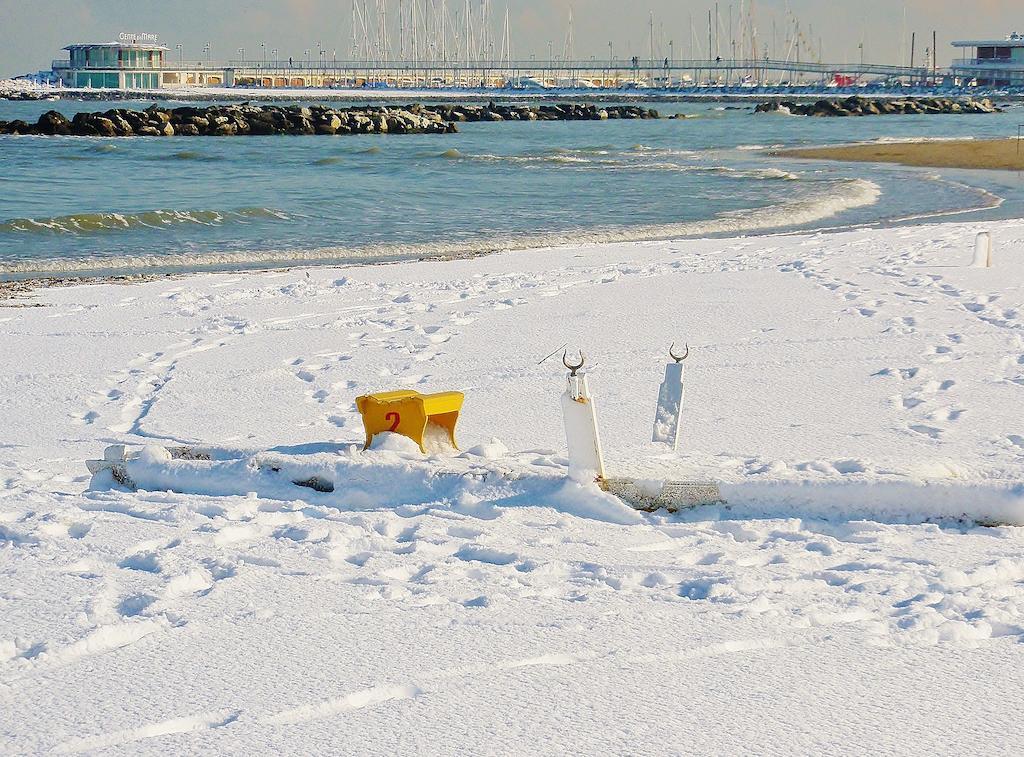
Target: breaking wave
x,y
646,149
586,150
87,223
536,159
916,140
747,173
847,195
634,160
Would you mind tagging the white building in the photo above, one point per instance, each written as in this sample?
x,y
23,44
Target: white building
x,y
994,63
135,62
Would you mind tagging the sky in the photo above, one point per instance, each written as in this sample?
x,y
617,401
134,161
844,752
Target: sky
x,y
32,33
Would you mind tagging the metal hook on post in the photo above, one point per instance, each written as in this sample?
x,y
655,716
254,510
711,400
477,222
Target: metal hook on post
x,y
581,433
678,358
573,368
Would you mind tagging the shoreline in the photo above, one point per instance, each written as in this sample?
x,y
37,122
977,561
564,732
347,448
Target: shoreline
x,y
781,218
15,285
983,154
14,292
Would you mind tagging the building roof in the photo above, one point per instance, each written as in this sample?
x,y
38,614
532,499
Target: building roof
x,y
118,45
1013,40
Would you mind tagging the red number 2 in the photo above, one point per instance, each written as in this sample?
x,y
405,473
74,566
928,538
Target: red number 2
x,y
395,419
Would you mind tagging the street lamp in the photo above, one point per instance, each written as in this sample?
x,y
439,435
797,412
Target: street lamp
x,y
671,60
263,53
241,55
209,51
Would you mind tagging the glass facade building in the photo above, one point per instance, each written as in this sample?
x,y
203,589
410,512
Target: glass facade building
x,y
112,66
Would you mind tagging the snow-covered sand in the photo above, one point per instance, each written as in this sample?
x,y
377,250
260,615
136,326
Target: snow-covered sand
x,y
855,393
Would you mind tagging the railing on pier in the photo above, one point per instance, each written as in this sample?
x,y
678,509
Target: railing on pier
x,y
594,67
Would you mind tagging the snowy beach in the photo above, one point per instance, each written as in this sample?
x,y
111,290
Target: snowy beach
x,y
857,395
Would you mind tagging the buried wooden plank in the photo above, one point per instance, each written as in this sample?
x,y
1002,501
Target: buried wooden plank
x,y
673,496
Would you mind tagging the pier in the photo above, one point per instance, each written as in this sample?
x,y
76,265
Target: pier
x,y
518,74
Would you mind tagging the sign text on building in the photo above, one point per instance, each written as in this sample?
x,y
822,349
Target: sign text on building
x,y
136,38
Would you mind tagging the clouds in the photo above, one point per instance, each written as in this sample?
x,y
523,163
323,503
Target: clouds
x,y
33,33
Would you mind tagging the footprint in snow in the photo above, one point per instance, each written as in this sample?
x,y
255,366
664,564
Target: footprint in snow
x,y
930,431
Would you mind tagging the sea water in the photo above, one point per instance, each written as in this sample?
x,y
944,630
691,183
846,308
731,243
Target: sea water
x,y
74,205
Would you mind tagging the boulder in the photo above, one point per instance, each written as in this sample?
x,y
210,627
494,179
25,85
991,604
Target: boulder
x,y
134,119
17,126
103,126
121,125
303,126
263,126
186,114
52,122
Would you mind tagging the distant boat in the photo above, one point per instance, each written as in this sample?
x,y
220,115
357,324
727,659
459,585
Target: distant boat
x,y
532,82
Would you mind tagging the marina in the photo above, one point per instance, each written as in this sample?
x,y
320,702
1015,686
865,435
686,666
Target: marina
x,y
423,44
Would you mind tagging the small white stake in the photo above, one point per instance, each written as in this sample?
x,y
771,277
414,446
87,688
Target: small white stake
x,y
670,406
982,250
670,400
581,434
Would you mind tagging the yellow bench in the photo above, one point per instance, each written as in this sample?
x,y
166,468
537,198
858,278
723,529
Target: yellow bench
x,y
407,413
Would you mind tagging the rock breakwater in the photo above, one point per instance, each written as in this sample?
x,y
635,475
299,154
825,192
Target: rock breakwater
x,y
247,119
862,106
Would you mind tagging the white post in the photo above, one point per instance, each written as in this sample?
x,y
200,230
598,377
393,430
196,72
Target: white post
x,y
982,250
670,406
584,441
